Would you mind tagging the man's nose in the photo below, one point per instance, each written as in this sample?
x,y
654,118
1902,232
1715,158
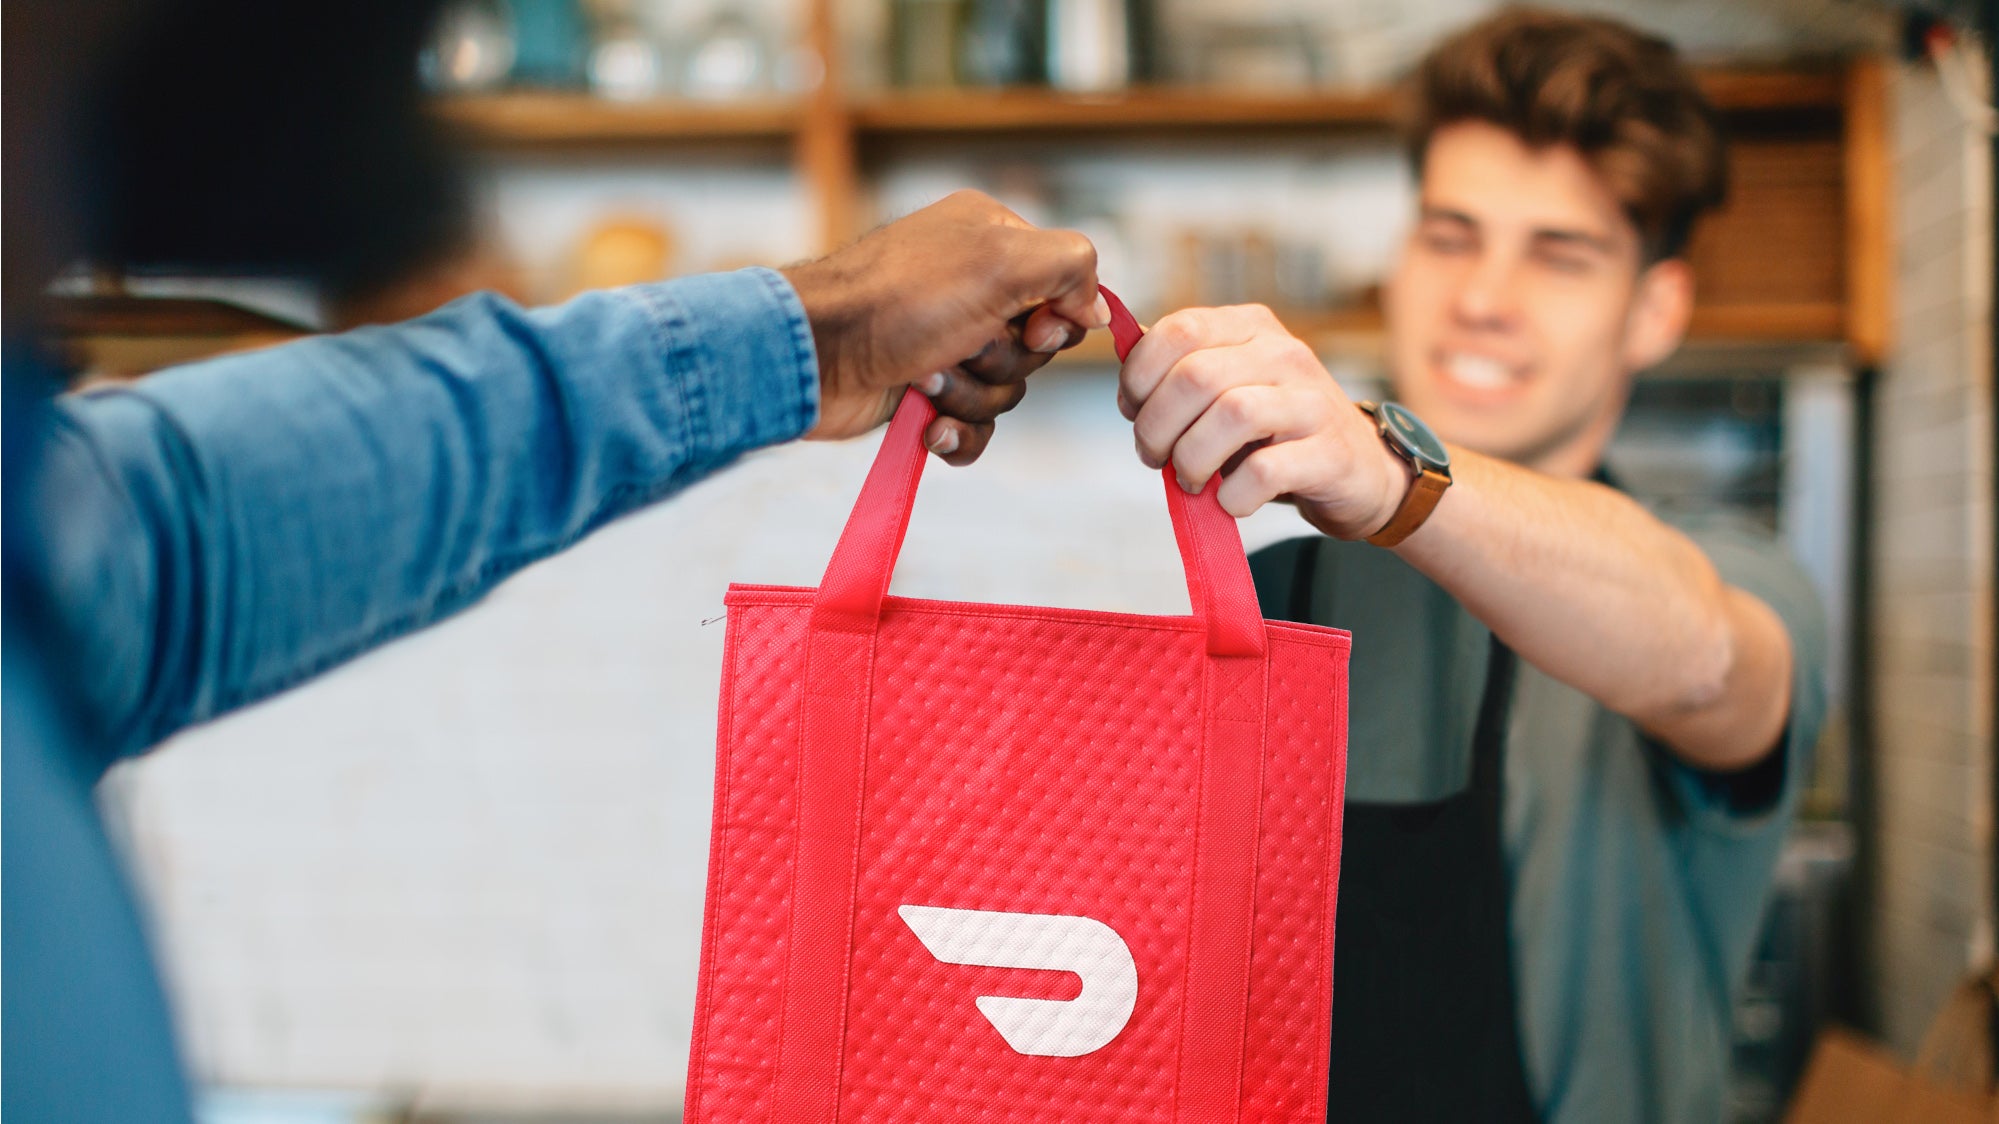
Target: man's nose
x,y
1489,292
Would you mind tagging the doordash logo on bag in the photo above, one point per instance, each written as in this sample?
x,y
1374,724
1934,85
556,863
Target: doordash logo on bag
x,y
1050,1028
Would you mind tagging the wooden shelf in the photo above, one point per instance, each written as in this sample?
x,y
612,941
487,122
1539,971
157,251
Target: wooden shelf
x,y
535,120
558,119
1179,110
1188,110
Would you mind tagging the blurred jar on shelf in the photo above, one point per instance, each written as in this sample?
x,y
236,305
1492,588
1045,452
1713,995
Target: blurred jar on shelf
x,y
923,42
551,43
471,48
1213,266
1268,53
729,56
1098,46
628,62
1003,43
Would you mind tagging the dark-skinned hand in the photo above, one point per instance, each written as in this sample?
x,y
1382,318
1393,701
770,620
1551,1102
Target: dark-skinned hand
x,y
962,299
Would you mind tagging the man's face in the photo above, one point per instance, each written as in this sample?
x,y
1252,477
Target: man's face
x,y
1521,306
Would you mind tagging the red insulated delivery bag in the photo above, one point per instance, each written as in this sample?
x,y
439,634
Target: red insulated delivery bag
x,y
1019,864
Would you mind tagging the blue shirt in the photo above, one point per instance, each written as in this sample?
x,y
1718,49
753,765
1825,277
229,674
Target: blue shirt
x,y
197,541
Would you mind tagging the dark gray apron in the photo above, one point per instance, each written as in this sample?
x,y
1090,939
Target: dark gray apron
x,y
1424,1024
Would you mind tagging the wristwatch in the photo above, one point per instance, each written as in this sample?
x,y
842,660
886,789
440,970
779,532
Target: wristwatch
x,y
1410,439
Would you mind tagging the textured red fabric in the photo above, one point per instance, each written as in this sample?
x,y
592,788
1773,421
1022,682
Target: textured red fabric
x,y
1176,779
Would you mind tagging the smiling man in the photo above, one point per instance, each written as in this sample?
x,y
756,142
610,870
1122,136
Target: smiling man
x,y
1577,729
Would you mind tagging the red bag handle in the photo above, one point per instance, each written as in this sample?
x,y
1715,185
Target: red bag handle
x,y
850,597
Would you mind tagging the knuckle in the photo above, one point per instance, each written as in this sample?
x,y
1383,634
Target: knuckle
x,y
1183,330
982,407
971,198
1276,472
991,360
1207,373
1197,373
1078,250
1256,471
1295,352
1235,408
972,441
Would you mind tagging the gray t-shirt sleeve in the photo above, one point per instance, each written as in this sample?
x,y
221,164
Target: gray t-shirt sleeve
x,y
1764,795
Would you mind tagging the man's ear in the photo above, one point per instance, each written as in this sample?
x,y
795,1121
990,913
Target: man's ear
x,y
1660,312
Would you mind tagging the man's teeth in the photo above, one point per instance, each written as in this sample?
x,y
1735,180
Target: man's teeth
x,y
1478,371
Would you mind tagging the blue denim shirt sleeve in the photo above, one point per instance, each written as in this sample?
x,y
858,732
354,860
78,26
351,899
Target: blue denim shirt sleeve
x,y
224,530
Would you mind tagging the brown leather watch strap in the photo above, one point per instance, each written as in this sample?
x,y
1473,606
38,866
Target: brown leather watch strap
x,y
1421,500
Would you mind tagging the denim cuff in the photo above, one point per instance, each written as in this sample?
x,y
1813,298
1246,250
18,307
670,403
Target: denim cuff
x,y
737,349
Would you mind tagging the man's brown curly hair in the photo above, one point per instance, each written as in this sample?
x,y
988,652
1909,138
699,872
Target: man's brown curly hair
x,y
1619,97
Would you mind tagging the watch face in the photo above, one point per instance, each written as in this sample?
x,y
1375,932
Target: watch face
x,y
1415,436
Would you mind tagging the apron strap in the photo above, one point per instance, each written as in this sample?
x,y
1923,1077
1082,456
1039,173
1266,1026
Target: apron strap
x,y
1424,1016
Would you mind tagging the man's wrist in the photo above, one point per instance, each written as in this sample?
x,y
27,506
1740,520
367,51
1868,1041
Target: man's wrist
x,y
819,298
1398,477
1428,462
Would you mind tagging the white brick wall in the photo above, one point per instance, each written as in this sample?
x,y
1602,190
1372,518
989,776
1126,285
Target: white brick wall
x,y
1933,571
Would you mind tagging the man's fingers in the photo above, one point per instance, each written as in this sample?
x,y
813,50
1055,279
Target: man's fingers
x,y
1176,336
1048,331
1238,418
1013,355
1056,266
958,395
957,443
1185,392
1060,267
1266,474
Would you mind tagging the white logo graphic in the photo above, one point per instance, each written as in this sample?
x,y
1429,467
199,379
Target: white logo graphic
x,y
1049,1028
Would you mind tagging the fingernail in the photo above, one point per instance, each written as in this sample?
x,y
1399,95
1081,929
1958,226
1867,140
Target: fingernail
x,y
1186,487
932,385
946,443
1049,338
1103,311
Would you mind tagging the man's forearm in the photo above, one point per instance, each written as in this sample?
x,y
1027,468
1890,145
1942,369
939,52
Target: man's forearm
x,y
230,528
1589,587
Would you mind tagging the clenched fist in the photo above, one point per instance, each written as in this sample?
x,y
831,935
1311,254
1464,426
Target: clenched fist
x,y
963,299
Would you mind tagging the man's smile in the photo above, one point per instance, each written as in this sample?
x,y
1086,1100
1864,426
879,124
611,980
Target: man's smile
x,y
1478,377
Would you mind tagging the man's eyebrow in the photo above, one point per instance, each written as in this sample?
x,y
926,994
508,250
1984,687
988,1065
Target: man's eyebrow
x,y
1579,238
1429,211
1556,235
